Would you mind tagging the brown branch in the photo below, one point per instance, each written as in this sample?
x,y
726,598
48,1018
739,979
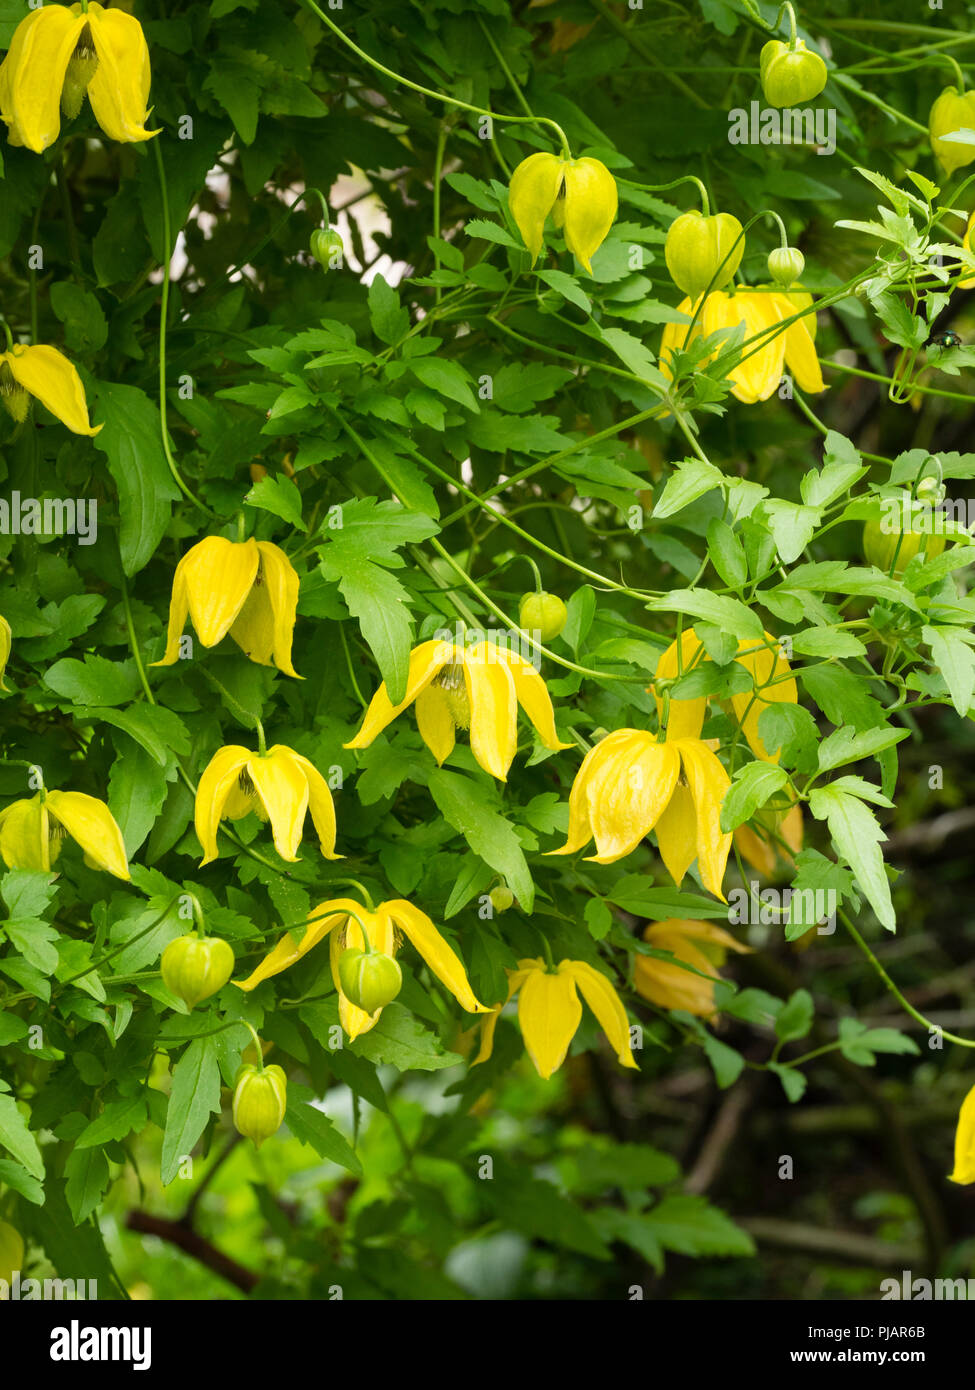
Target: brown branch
x,y
183,1236
846,1245
721,1136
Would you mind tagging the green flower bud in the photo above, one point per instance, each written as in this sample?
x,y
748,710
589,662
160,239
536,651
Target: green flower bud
x,y
195,967
697,245
501,897
881,545
791,76
369,979
542,613
785,265
260,1100
327,247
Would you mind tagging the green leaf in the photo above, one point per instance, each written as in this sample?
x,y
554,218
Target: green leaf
x,y
379,601
86,1179
17,1178
462,804
132,443
390,322
726,613
524,1203
399,1040
793,1081
847,746
119,1118
312,1126
447,378
727,553
857,837
279,494
17,1139
689,1225
85,325
93,681
795,1018
955,660
194,1097
860,1044
690,480
751,787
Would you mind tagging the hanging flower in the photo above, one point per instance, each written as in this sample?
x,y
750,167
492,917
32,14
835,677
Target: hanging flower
x,y
477,688
630,784
48,376
772,683
248,589
6,642
343,921
58,56
279,785
701,945
31,832
580,195
771,836
759,374
964,1171
550,1012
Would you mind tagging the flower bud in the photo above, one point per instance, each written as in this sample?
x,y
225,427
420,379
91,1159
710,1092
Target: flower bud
x,y
369,979
880,545
195,967
952,110
703,252
791,76
501,897
930,490
542,613
260,1100
11,1251
785,265
327,247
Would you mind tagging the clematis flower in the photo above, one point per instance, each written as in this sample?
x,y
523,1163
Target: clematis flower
x,y
630,784
549,1012
57,56
343,920
48,376
580,194
478,688
965,1142
279,785
248,589
758,375
31,832
5,645
758,843
698,944
772,683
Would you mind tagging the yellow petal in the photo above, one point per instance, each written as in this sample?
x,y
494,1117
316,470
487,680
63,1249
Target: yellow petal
x,y
494,709
321,920
435,722
677,337
770,674
282,787
218,780
516,979
264,628
628,795
532,694
442,960
758,375
5,645
24,838
580,827
549,1013
219,575
667,984
685,718
964,1170
179,607
606,1004
119,89
36,64
321,805
677,834
91,824
382,937
708,782
425,661
52,379
534,187
590,206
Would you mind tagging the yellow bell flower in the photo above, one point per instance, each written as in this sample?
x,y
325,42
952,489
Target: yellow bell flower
x,y
478,688
951,111
758,375
279,785
771,679
248,589
965,1142
669,986
549,1012
580,194
56,56
343,920
47,375
630,784
967,281
6,642
758,843
31,832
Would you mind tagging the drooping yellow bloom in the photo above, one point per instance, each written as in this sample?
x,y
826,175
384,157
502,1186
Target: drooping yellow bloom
x,y
965,1142
630,784
279,785
758,375
340,918
57,55
549,1012
478,688
48,376
248,589
580,194
669,986
6,642
772,683
771,836
31,832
